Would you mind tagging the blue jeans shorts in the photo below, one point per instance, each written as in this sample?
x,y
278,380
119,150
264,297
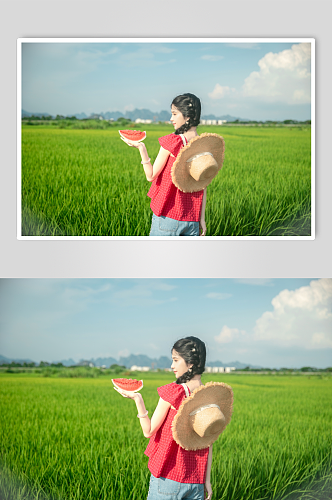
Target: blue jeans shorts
x,y
164,226
167,489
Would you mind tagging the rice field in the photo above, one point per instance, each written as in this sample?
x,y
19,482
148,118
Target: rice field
x,y
89,183
78,439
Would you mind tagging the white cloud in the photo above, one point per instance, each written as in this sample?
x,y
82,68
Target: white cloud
x,y
218,296
315,297
145,55
144,293
208,57
84,292
300,318
283,77
219,91
228,335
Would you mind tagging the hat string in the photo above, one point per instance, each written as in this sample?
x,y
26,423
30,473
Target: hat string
x,y
198,155
201,408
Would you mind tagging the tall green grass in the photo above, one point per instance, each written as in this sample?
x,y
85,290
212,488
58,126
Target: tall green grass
x,y
89,183
78,439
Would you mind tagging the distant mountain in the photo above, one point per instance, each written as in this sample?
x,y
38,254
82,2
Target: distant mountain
x,y
112,114
134,359
66,362
162,116
143,360
79,116
165,362
229,118
104,361
26,114
236,364
143,114
4,360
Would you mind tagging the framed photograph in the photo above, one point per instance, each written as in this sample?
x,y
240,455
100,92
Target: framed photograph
x,y
266,344
217,138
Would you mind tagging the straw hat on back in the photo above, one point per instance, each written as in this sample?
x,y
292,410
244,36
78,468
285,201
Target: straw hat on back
x,y
198,162
203,416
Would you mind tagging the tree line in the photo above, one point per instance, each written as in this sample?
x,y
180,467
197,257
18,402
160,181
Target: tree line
x,y
45,364
127,120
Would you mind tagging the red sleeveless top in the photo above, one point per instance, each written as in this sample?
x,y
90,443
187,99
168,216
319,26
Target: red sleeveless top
x,y
166,458
166,199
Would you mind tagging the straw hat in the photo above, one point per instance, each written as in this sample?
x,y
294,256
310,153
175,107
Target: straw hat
x,y
203,416
198,162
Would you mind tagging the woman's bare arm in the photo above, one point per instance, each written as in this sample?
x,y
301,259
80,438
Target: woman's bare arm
x,y
208,487
202,220
151,171
149,426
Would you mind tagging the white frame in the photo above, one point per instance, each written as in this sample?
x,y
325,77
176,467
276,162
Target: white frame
x,y
20,41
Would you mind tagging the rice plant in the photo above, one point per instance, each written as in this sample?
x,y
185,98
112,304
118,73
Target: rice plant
x,y
70,438
89,183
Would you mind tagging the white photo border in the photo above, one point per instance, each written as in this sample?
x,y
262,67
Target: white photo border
x,y
21,41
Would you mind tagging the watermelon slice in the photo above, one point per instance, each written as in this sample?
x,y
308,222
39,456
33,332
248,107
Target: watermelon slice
x,y
128,384
133,135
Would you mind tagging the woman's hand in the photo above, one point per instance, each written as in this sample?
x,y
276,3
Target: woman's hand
x,y
202,228
134,144
207,490
127,394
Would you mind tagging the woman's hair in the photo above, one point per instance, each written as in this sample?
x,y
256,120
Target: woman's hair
x,y
190,106
193,351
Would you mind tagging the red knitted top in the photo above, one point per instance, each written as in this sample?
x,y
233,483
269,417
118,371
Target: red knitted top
x,y
166,458
166,198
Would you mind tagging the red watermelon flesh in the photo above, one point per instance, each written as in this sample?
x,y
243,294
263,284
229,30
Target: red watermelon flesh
x,y
133,135
128,384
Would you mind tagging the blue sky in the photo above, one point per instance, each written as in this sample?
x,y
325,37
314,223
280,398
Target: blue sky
x,y
258,81
269,322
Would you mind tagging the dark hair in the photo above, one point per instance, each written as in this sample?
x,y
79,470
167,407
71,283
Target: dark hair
x,y
190,106
193,351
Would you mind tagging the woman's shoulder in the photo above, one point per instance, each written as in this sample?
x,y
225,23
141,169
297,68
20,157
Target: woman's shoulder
x,y
172,393
170,139
170,136
170,387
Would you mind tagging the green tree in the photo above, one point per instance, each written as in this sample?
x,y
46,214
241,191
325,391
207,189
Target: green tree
x,y
43,364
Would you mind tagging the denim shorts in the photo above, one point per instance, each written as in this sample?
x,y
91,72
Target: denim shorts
x,y
167,489
164,226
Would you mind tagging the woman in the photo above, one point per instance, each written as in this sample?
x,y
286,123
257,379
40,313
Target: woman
x,y
175,213
175,472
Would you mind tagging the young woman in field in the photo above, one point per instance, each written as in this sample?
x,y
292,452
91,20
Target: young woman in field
x,y
176,472
175,213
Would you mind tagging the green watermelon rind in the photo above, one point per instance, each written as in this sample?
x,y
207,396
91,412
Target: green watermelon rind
x,y
138,140
116,383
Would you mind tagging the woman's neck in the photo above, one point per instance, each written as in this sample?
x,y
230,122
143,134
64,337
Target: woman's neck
x,y
191,133
194,382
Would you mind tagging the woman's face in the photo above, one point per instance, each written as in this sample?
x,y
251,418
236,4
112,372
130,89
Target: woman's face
x,y
177,118
179,366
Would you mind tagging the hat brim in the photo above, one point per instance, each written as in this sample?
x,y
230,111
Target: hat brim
x,y
181,177
212,392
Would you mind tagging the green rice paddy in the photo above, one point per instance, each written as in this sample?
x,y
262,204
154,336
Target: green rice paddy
x,y
89,183
77,439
